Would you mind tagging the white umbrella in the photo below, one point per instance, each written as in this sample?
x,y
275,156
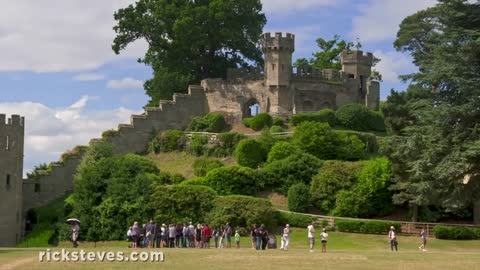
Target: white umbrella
x,y
73,220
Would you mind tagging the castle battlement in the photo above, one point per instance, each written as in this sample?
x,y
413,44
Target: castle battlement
x,y
14,120
357,57
331,75
278,42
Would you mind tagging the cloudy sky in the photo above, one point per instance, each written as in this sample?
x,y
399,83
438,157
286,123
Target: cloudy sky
x,y
58,70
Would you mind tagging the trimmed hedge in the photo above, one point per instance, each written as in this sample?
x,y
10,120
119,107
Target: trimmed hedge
x,y
250,153
456,233
365,226
325,115
293,219
211,122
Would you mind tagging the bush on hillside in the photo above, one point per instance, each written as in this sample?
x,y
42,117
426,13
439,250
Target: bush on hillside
x,y
333,176
277,121
370,195
195,181
456,233
181,203
298,198
165,178
202,166
294,219
259,121
358,117
276,129
211,122
350,148
168,141
249,153
372,145
227,142
242,211
316,138
325,116
366,226
197,145
297,168
234,180
281,150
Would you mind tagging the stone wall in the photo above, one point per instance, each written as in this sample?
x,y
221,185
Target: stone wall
x,y
52,185
11,169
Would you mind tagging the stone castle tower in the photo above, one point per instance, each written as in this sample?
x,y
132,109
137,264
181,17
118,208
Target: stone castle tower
x,y
11,170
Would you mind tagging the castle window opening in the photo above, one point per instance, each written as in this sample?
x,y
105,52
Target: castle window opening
x,y
36,187
252,108
7,145
7,183
273,66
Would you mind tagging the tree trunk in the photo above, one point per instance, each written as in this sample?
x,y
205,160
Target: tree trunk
x,y
414,212
476,212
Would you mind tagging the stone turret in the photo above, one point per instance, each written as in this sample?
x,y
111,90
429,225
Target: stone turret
x,y
357,63
11,170
278,52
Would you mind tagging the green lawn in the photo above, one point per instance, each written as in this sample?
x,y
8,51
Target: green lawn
x,y
345,251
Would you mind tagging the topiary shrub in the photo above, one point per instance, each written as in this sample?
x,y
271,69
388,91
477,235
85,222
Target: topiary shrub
x,y
259,121
211,122
234,180
333,176
281,150
456,233
250,153
325,116
242,212
359,117
168,141
298,198
294,219
366,226
202,166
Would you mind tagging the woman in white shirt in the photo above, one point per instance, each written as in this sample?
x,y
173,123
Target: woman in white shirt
x,y
285,237
392,237
324,237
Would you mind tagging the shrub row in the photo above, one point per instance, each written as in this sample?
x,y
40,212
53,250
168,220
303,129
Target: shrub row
x,y
294,220
259,121
365,226
325,115
456,233
359,117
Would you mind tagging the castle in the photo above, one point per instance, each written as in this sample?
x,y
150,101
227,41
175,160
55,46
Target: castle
x,y
277,90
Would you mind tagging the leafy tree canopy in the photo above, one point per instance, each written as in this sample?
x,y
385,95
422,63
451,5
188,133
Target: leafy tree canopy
x,y
190,40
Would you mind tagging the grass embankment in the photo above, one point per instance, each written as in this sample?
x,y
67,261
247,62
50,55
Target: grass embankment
x,y
345,251
181,162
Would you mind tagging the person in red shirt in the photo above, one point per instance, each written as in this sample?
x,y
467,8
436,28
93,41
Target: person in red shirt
x,y
207,234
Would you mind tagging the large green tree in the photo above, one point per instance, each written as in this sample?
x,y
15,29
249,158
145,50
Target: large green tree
x,y
190,40
436,157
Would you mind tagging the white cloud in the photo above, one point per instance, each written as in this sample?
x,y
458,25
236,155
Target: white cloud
x,y
88,77
393,64
125,83
58,35
51,131
379,20
287,6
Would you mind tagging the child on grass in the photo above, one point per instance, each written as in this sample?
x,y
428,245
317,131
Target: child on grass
x,y
237,239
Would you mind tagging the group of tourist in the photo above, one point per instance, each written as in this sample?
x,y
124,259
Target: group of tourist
x,y
154,235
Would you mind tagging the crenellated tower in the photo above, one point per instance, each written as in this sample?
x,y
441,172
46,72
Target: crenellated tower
x,y
278,52
358,65
12,132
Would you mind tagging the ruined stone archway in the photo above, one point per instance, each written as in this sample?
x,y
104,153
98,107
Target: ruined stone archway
x,y
251,108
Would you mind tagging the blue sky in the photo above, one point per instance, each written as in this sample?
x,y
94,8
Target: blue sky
x,y
58,69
